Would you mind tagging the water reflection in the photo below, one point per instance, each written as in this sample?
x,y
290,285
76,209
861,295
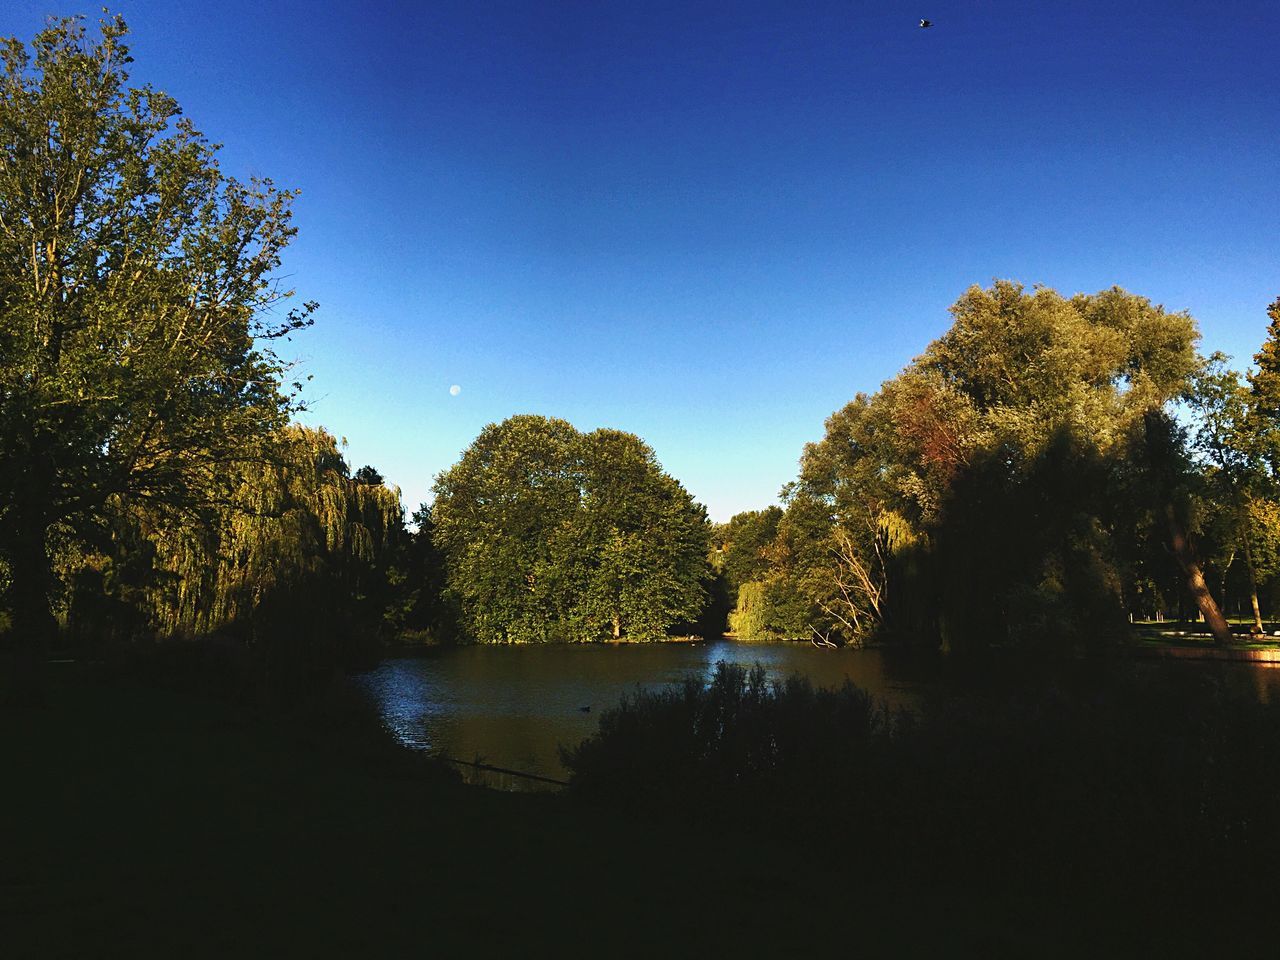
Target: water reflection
x,y
1257,679
513,706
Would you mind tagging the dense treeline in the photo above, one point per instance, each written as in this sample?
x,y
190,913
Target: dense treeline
x,y
152,485
1045,470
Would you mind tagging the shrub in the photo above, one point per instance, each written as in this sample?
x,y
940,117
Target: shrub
x,y
740,732
1055,778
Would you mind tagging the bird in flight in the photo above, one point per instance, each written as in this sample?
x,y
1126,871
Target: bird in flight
x,y
926,24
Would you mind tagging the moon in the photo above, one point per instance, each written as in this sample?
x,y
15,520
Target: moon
x,y
455,390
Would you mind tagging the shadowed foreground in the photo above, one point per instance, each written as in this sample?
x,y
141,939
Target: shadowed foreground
x,y
141,822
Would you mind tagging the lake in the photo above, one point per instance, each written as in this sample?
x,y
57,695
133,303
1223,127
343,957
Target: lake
x,y
512,706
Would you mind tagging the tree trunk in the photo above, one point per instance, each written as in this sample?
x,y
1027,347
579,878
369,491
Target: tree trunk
x,y
1223,605
1253,589
1195,579
617,628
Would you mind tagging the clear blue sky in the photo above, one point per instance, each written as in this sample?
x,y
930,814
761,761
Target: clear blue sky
x,y
712,224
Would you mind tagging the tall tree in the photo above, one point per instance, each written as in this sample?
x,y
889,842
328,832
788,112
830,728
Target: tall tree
x,y
649,540
976,487
1171,477
549,534
417,576
136,290
1232,439
1264,384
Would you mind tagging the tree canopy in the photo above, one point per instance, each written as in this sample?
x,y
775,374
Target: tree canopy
x,y
295,564
993,488
137,290
1044,467
551,534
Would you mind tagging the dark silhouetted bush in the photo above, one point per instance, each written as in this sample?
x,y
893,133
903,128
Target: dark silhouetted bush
x,y
1056,778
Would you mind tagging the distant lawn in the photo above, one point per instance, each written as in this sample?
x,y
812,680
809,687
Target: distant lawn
x,y
1173,630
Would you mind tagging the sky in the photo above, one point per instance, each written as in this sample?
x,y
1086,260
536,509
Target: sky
x,y
712,224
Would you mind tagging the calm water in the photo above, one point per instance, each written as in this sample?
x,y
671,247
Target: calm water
x,y
513,706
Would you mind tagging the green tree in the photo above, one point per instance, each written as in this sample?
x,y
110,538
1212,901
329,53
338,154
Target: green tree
x,y
744,544
649,539
295,564
369,476
865,494
1232,441
136,288
419,603
503,518
973,496
1264,384
1064,390
549,534
756,560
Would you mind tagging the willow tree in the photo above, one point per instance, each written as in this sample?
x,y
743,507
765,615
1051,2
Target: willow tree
x,y
295,563
136,292
868,491
746,559
550,534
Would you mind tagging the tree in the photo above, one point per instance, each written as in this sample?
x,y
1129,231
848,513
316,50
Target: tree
x,y
295,564
550,534
1264,384
137,290
865,493
755,564
648,536
1169,473
1080,382
369,476
974,494
745,540
1232,439
417,576
503,518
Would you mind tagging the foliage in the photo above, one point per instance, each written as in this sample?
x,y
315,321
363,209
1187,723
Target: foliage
x,y
976,496
755,615
137,291
740,732
1117,762
549,534
761,605
1232,438
420,609
1264,385
295,564
744,542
